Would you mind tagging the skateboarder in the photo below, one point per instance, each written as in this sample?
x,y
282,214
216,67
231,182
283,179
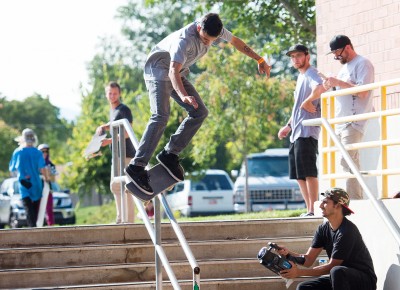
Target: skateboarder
x,y
165,72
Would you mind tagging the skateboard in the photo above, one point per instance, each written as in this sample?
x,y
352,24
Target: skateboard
x,y
160,180
92,150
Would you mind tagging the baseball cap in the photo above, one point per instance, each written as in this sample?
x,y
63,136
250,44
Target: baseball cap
x,y
339,195
296,48
338,41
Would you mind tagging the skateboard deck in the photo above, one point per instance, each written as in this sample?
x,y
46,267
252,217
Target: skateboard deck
x,y
92,150
160,180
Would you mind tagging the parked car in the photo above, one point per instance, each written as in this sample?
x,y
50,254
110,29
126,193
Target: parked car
x,y
212,193
5,202
64,212
268,183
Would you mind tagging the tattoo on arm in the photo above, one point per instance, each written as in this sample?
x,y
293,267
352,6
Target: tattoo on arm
x,y
249,51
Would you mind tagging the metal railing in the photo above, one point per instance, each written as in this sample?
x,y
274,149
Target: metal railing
x,y
118,149
331,144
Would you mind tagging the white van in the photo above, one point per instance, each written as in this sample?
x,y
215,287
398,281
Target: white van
x,y
211,194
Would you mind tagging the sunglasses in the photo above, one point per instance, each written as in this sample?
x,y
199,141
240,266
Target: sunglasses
x,y
45,151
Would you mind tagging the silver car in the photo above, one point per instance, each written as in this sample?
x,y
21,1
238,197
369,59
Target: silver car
x,y
63,209
5,209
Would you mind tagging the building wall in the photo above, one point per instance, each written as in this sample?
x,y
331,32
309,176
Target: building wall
x,y
373,27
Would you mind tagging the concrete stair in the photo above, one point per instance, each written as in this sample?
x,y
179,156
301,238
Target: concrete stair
x,y
122,256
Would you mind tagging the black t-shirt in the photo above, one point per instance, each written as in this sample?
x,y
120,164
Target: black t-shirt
x,y
123,112
345,244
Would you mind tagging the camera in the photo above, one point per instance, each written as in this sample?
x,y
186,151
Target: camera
x,y
270,259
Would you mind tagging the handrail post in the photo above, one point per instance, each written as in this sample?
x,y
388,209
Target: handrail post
x,y
154,231
387,218
157,223
122,154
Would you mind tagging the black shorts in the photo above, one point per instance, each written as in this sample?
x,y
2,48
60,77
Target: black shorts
x,y
303,158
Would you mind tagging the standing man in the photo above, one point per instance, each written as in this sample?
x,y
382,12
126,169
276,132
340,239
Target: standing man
x,y
350,265
304,139
356,71
165,73
118,111
28,161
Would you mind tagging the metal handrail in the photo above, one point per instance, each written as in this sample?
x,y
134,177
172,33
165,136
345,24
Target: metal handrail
x,y
326,148
154,232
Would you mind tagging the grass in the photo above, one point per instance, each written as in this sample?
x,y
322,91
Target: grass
x,y
105,214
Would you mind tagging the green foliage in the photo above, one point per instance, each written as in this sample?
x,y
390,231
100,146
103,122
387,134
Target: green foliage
x,y
105,214
7,135
35,112
268,26
246,110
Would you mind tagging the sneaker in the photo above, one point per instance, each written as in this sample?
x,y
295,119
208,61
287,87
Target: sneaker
x,y
304,214
171,163
310,214
138,175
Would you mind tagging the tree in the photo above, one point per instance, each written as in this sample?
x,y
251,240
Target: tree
x,y
246,111
36,112
7,135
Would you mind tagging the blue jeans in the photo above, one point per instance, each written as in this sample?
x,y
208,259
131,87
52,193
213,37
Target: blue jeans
x,y
341,278
159,94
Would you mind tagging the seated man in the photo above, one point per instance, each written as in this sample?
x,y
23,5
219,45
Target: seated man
x,y
350,265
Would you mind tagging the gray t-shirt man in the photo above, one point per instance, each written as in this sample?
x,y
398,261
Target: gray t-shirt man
x,y
359,71
182,46
304,86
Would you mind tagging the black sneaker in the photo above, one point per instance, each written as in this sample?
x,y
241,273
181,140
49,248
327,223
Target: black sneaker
x,y
171,163
138,175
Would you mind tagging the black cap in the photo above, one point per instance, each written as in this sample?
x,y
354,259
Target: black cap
x,y
338,41
296,48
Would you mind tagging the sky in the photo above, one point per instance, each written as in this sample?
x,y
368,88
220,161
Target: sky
x,y
47,44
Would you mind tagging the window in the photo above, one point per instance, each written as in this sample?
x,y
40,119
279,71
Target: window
x,y
268,166
212,182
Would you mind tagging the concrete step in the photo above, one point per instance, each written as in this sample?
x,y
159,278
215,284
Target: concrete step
x,y
137,233
256,283
43,257
141,272
118,256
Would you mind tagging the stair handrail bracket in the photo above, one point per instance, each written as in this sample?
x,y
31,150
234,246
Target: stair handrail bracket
x,y
120,127
331,143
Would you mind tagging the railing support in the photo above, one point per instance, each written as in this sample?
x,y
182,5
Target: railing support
x,y
154,232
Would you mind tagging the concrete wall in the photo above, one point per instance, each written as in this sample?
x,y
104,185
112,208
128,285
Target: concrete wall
x,y
374,28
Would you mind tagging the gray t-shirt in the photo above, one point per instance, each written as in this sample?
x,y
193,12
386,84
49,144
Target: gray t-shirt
x,y
304,86
182,46
359,71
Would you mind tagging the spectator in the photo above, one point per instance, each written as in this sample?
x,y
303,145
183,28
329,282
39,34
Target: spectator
x,y
304,139
350,264
118,111
356,71
28,162
51,168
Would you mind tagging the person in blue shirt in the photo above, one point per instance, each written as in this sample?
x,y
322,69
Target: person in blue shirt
x,y
28,162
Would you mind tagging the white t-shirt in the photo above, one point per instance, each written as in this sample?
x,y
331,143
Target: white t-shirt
x,y
359,71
